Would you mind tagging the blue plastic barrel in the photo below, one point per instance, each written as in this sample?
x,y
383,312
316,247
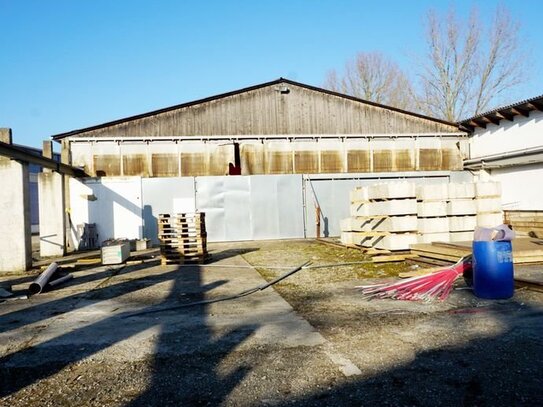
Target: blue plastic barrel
x,y
493,269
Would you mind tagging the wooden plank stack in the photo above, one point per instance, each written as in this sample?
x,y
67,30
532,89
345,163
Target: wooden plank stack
x,y
183,238
525,251
526,223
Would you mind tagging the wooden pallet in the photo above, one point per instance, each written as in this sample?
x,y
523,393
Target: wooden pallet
x,y
200,259
525,250
183,238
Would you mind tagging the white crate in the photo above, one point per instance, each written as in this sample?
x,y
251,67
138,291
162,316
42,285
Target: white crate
x,y
393,207
485,205
358,209
488,189
432,192
461,191
489,220
458,207
393,190
462,223
433,225
359,194
392,241
431,209
115,254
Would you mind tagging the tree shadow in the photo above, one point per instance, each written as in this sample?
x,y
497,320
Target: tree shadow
x,y
183,333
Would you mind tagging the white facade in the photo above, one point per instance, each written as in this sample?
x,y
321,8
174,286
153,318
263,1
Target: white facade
x,y
520,134
512,153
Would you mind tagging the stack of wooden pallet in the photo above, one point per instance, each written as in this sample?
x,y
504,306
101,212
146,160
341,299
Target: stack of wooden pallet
x,y
183,238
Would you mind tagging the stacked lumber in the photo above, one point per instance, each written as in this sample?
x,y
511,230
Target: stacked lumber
x,y
525,251
183,238
432,222
383,217
525,222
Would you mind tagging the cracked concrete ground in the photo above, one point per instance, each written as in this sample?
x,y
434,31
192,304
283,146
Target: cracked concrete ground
x,y
117,336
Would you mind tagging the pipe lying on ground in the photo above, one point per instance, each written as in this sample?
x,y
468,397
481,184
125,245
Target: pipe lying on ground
x,y
39,284
229,297
60,280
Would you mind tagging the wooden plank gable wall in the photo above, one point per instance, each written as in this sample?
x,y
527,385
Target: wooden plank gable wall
x,y
295,111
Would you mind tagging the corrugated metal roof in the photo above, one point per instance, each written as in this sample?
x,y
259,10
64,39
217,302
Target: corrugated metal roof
x,y
236,92
523,104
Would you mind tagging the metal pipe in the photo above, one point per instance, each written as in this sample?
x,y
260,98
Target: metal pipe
x,y
453,135
39,284
486,161
60,280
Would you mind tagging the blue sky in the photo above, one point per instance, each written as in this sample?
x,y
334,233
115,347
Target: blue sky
x,y
66,65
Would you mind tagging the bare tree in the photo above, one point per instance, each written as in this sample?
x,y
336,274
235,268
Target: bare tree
x,y
372,76
469,66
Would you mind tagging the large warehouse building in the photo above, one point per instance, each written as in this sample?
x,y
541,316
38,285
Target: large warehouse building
x,y
295,146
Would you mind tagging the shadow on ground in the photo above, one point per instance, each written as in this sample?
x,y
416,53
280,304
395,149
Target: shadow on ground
x,y
185,368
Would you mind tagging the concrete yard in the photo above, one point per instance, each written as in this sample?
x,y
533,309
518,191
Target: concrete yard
x,y
108,337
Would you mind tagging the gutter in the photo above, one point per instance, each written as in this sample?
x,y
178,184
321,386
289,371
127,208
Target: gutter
x,y
500,160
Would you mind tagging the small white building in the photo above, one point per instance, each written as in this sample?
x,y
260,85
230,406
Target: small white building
x,y
507,145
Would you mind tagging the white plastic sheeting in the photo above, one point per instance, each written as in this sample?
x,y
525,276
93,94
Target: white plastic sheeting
x,y
164,195
256,207
251,207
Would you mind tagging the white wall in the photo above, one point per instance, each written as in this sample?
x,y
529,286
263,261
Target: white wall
x,y
521,186
521,133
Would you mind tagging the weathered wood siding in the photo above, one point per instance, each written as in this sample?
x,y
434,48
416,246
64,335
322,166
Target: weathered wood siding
x,y
194,158
266,111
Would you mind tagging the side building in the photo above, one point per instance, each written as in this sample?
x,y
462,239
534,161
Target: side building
x,y
506,145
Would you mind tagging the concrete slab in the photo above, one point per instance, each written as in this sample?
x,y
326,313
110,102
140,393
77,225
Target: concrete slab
x,y
123,314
